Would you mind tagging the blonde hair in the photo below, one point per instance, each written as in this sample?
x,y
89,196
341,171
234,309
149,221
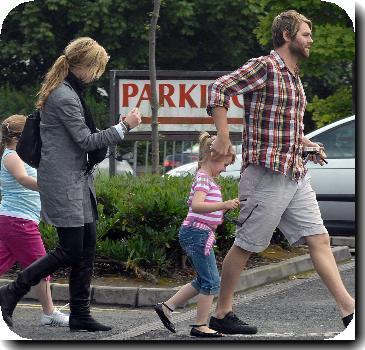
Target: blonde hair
x,y
287,21
82,52
205,143
11,128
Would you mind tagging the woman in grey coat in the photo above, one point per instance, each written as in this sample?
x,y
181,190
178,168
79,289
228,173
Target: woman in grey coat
x,y
70,147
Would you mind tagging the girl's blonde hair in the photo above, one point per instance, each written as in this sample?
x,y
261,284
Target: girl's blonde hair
x,y
205,143
83,52
11,128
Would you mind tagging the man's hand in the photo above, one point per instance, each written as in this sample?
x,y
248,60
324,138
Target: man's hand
x,y
320,157
221,147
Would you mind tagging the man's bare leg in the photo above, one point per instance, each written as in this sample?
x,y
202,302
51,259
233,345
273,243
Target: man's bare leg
x,y
326,267
233,264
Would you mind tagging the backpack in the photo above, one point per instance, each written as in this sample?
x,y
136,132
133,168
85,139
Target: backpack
x,y
30,143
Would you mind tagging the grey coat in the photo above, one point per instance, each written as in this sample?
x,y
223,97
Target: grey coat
x,y
63,187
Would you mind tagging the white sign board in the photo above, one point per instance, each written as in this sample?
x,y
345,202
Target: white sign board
x,y
182,104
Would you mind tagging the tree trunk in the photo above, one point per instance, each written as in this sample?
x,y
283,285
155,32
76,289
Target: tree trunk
x,y
152,73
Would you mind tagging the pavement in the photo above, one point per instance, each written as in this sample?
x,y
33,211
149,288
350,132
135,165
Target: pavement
x,y
137,297
344,241
299,308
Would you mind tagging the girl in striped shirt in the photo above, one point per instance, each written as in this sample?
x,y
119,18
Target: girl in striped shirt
x,y
197,237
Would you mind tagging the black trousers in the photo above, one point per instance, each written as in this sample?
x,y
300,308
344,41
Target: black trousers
x,y
79,245
76,248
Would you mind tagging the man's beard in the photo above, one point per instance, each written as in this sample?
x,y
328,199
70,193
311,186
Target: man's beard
x,y
297,51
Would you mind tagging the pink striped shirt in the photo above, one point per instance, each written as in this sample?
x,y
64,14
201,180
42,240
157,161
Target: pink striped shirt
x,y
205,183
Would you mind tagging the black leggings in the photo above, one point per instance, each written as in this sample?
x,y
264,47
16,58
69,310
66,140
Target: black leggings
x,y
76,248
77,243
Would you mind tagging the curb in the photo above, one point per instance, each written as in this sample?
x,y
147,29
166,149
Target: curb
x,y
343,240
144,297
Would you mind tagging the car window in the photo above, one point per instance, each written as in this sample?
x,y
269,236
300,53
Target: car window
x,y
190,157
339,142
176,157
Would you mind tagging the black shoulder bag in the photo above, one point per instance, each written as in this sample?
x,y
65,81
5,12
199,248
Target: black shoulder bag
x,y
30,143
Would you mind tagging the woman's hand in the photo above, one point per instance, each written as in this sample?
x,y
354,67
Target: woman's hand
x,y
133,118
231,204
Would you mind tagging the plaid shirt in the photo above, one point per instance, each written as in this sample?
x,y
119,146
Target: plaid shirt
x,y
274,105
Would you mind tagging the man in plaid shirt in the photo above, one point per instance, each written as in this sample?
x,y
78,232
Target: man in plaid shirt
x,y
274,189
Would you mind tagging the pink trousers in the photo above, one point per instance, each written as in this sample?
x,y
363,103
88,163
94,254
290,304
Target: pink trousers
x,y
20,241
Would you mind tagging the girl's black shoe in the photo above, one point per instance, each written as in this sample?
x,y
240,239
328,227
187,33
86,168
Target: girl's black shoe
x,y
197,333
347,319
164,319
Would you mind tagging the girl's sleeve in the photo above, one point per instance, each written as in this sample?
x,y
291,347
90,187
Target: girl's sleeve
x,y
202,184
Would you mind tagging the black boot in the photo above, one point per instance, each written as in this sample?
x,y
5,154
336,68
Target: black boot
x,y
79,286
14,291
8,300
87,324
81,320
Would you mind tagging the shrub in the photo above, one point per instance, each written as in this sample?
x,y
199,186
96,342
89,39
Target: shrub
x,y
139,219
49,235
143,215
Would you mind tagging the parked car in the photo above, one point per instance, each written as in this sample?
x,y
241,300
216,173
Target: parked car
x,y
232,170
121,167
175,160
334,183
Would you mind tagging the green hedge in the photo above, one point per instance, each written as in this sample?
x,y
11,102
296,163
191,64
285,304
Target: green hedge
x,y
139,218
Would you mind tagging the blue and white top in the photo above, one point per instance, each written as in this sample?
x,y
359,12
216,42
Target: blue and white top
x,y
17,200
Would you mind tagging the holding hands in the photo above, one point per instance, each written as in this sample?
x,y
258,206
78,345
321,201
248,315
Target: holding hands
x,y
221,148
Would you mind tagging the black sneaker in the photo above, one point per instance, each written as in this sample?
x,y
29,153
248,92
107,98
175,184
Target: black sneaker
x,y
231,324
346,320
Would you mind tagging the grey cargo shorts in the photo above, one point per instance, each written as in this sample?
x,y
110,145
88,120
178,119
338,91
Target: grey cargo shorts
x,y
269,199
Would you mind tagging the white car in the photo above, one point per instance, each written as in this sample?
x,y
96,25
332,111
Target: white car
x,y
232,170
121,167
334,183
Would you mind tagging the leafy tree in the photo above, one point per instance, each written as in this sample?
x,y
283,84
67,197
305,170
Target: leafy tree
x,y
328,71
13,101
334,107
35,33
207,34
193,35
